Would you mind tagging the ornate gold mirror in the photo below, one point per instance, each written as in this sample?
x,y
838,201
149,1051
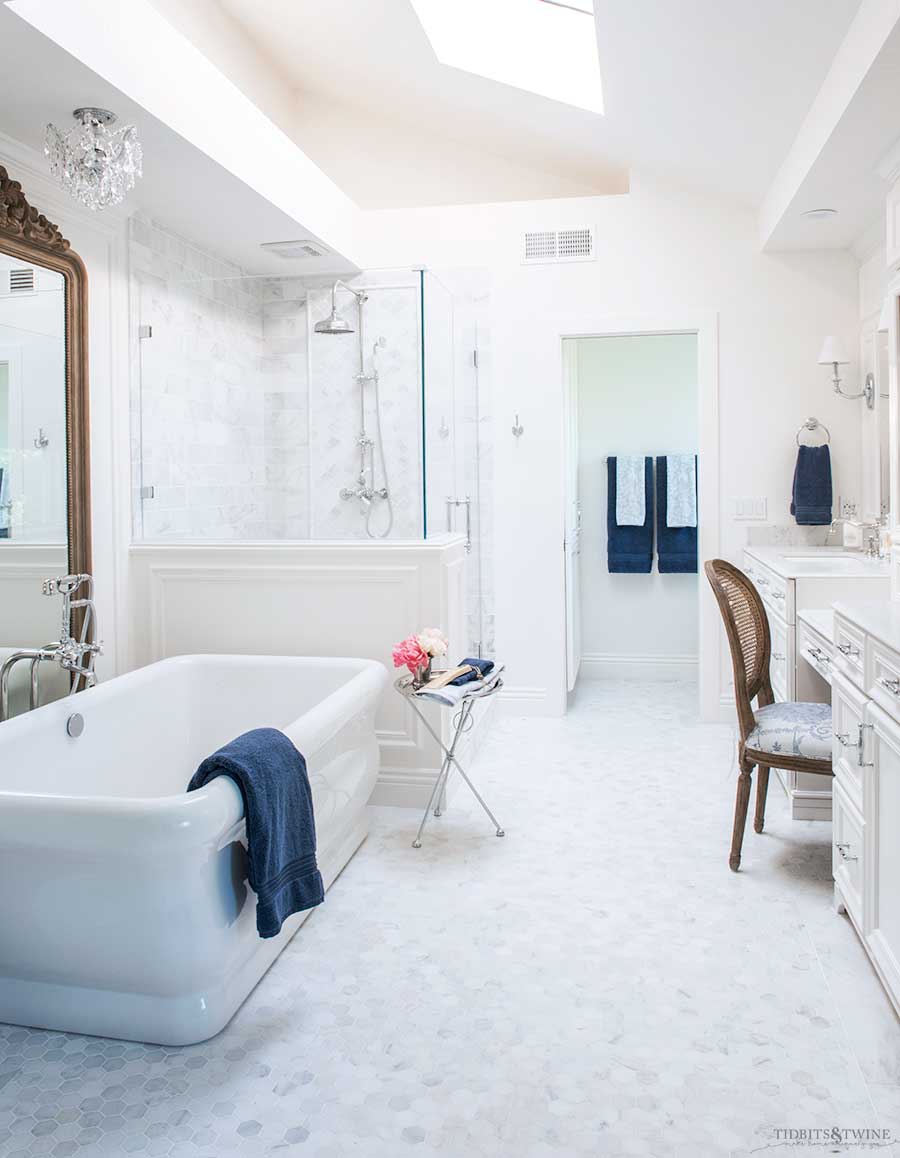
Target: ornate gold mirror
x,y
45,511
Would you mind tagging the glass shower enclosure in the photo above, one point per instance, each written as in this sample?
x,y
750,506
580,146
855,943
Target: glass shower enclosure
x,y
290,409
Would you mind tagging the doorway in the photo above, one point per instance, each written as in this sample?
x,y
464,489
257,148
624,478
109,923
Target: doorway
x,y
629,394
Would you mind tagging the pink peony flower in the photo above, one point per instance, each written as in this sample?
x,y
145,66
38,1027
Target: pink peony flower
x,y
409,653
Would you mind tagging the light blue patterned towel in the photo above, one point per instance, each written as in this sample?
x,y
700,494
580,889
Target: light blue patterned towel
x,y
681,490
631,501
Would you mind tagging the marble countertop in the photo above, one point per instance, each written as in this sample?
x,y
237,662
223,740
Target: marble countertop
x,y
819,562
877,617
821,620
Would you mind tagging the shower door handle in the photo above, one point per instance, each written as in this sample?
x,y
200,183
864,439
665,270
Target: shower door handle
x,y
467,503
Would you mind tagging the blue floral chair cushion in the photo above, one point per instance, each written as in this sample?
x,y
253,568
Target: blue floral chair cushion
x,y
793,730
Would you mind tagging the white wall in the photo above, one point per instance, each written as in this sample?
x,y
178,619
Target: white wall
x,y
873,352
659,252
636,395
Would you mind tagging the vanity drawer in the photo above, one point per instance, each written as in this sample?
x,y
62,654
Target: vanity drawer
x,y
781,667
849,651
848,852
884,678
847,708
750,566
777,592
815,649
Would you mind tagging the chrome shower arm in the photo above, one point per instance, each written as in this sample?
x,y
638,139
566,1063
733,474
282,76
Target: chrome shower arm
x,y
360,295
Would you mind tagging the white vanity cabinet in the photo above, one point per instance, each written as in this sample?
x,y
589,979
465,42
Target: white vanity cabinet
x,y
866,758
791,580
881,920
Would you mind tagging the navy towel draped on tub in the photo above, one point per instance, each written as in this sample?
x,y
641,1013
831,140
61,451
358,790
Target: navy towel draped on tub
x,y
676,546
281,827
811,494
629,549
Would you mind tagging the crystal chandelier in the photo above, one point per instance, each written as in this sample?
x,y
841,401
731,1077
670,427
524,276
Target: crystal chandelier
x,y
94,162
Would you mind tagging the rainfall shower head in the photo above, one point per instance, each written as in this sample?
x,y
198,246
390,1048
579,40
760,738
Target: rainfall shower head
x,y
335,323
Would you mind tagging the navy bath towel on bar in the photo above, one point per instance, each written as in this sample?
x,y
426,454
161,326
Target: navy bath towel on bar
x,y
676,547
629,549
281,827
811,494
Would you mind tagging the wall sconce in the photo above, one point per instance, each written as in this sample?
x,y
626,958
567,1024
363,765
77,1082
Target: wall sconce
x,y
833,354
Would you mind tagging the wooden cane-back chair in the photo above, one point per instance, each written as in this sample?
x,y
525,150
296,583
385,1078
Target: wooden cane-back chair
x,y
773,734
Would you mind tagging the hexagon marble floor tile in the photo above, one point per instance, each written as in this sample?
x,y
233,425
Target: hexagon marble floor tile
x,y
596,983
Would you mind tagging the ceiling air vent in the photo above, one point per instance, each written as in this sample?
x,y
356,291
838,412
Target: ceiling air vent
x,y
297,250
21,280
542,246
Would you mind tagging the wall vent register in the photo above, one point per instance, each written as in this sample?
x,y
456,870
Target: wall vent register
x,y
543,246
296,250
18,281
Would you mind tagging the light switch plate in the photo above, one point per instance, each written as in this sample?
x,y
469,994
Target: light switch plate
x,y
751,509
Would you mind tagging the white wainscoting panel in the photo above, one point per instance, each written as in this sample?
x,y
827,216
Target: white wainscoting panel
x,y
316,598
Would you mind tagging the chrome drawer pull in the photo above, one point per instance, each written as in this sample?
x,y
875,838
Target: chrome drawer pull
x,y
848,650
860,760
777,655
843,849
818,655
778,595
890,685
762,582
843,738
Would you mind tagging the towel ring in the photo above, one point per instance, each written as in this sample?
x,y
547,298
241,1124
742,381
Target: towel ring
x,y
814,424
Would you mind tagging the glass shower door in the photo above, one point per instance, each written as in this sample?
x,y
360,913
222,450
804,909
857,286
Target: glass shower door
x,y
456,359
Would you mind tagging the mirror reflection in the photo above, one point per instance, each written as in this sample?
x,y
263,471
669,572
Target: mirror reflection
x,y
33,492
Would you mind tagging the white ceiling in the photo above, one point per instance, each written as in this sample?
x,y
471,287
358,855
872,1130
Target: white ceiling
x,y
181,186
708,94
852,170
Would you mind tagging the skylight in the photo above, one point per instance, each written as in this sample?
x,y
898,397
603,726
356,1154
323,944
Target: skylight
x,y
547,47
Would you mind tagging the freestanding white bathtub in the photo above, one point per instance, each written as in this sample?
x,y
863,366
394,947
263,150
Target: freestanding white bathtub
x,y
124,905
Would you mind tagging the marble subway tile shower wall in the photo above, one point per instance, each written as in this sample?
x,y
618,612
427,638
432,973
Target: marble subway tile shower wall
x,y
246,424
285,384
201,407
391,312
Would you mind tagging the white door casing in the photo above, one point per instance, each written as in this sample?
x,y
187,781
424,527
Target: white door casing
x,y
572,541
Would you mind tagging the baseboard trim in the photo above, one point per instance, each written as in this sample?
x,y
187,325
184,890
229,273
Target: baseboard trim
x,y
520,701
599,665
805,803
403,787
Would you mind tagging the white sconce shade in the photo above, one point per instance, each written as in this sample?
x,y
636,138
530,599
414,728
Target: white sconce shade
x,y
833,351
884,318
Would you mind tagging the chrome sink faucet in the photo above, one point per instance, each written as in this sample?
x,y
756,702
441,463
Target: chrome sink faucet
x,y
871,533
